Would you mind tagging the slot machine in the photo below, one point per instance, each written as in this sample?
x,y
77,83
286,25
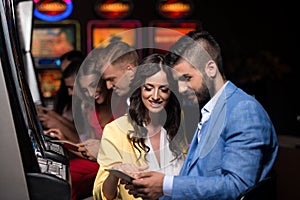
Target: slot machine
x,y
30,168
101,32
50,40
165,33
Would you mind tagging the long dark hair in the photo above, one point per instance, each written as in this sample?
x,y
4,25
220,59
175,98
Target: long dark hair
x,y
138,113
62,99
82,102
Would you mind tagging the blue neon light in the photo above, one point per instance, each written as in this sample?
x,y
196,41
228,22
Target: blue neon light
x,y
55,18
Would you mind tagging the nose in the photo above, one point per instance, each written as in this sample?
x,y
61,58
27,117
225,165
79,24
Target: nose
x,y
156,95
91,92
182,87
109,85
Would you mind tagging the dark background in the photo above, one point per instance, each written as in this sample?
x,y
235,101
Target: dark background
x,y
259,43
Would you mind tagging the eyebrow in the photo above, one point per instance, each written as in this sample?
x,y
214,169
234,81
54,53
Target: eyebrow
x,y
149,84
109,76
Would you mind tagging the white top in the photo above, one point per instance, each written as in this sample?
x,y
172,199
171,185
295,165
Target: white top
x,y
168,165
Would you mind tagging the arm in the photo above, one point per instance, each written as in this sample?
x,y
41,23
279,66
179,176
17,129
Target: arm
x,y
110,183
242,156
110,186
83,151
105,185
51,119
66,122
114,149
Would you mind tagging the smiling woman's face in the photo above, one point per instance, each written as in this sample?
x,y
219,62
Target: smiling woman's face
x,y
155,92
91,87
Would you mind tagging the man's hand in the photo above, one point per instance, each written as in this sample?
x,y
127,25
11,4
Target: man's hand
x,y
147,185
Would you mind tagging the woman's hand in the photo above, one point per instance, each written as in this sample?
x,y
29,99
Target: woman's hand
x,y
52,120
130,169
55,133
85,153
111,182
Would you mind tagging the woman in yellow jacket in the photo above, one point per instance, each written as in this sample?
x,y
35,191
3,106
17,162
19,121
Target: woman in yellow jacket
x,y
150,134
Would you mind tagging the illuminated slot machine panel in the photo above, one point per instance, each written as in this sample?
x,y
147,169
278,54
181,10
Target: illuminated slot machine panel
x,y
36,172
165,33
101,32
50,40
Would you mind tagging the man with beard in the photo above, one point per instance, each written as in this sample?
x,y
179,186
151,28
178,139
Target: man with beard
x,y
235,144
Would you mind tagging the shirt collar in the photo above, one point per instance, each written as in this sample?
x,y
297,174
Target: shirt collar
x,y
212,102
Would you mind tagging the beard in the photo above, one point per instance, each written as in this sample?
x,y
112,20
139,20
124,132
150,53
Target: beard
x,y
203,96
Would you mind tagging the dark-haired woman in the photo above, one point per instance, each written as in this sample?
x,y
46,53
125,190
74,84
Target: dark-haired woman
x,y
150,134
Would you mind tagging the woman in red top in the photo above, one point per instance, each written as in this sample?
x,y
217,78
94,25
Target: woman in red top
x,y
92,111
84,170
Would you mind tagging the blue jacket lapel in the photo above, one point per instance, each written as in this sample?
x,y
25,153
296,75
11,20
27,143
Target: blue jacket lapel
x,y
212,132
217,121
197,149
192,149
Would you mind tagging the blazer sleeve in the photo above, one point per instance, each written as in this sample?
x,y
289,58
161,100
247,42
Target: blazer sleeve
x,y
108,155
114,148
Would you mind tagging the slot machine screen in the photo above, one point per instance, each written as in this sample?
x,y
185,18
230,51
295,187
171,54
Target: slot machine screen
x,y
101,33
49,42
164,34
49,81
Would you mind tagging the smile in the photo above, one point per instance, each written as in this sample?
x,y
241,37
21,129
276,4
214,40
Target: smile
x,y
97,95
155,104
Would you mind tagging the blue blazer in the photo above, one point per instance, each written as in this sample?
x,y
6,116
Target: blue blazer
x,y
238,148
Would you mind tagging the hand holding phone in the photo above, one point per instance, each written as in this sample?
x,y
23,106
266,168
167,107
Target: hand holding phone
x,y
121,174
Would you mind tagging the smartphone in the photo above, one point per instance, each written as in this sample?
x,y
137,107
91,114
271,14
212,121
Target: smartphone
x,y
67,144
120,174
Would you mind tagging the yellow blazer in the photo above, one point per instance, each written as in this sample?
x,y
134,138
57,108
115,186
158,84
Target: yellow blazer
x,y
116,148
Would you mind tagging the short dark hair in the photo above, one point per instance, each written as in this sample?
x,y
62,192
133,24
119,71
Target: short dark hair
x,y
72,55
188,44
72,69
120,52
